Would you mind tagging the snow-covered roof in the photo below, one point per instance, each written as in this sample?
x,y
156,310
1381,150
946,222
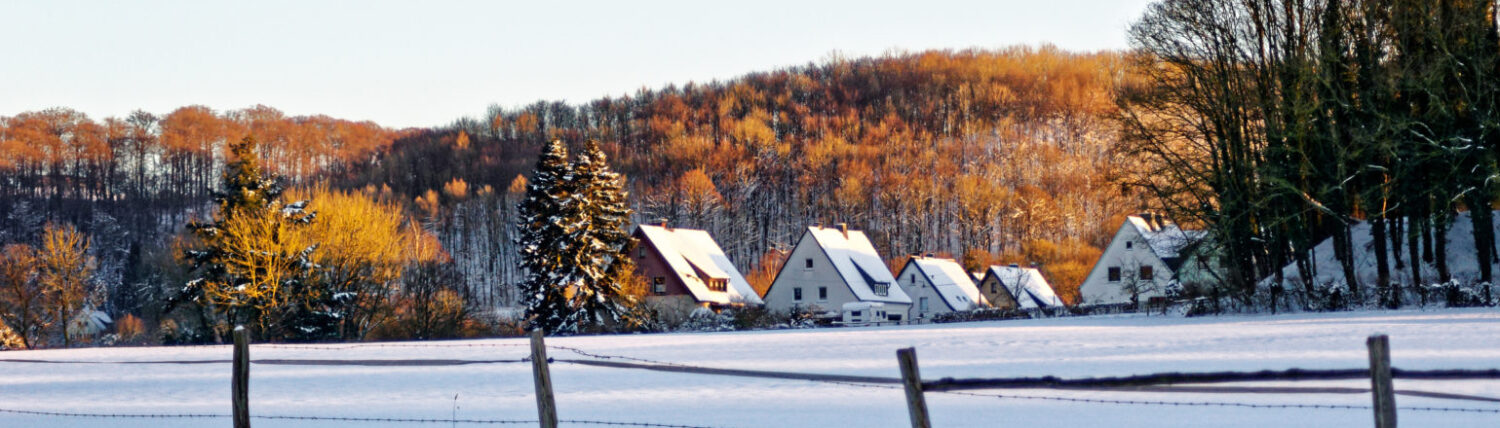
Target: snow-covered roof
x,y
950,281
694,256
1028,285
1162,235
857,261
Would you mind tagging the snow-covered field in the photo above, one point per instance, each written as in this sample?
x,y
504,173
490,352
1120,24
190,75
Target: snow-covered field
x,y
1068,347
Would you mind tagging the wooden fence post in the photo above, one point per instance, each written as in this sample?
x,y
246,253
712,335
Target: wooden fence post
x,y
1380,381
240,385
913,381
546,408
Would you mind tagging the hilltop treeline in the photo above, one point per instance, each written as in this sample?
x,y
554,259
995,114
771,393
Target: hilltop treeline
x,y
987,155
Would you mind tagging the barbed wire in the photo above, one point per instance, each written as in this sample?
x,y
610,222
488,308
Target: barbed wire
x,y
616,357
339,418
385,345
1213,403
628,424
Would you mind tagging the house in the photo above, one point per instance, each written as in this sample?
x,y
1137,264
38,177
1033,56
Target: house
x,y
688,264
1139,263
1016,287
831,266
936,286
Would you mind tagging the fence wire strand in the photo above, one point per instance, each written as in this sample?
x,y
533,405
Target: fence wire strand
x,y
339,419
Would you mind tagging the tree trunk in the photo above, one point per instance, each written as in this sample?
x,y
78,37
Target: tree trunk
x,y
1382,265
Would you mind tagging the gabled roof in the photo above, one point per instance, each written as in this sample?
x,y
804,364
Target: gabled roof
x,y
1027,285
858,263
950,281
1164,237
694,256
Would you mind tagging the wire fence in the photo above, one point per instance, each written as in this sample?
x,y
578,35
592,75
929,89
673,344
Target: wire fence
x,y
339,419
1151,383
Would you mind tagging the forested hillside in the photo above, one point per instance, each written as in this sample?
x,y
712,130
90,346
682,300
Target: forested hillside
x,y
993,156
988,155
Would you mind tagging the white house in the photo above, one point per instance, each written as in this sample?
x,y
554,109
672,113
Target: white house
x,y
831,266
937,286
1018,287
1138,264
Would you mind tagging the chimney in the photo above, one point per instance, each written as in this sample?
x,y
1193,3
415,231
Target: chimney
x,y
661,222
844,228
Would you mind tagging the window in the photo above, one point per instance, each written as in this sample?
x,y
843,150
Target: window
x,y
882,289
923,305
642,253
913,279
856,313
1146,273
822,293
1114,274
659,285
808,263
992,288
797,293
894,317
1129,244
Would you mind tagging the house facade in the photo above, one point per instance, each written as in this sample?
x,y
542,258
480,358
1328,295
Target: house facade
x,y
1139,263
1016,287
688,264
831,266
936,286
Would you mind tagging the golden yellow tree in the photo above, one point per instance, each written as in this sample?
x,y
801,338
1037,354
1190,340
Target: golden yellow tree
x,y
363,246
67,269
23,298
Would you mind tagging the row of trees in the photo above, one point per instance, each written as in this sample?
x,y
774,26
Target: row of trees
x,y
1281,123
311,264
149,171
43,289
131,183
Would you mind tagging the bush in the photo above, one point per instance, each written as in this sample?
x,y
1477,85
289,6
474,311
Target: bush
x,y
130,329
985,314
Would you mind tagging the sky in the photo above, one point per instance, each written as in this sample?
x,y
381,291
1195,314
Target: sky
x,y
427,63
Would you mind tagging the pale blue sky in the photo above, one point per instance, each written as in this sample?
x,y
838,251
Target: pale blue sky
x,y
425,63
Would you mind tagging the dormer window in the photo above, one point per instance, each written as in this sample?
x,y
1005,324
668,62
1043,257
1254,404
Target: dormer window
x,y
881,289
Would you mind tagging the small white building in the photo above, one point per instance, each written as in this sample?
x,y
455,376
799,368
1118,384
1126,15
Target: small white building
x,y
937,286
1139,262
864,313
831,266
1018,287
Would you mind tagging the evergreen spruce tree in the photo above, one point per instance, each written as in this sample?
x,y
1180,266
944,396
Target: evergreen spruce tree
x,y
600,238
249,267
540,235
572,239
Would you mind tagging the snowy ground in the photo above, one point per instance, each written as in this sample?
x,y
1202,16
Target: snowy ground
x,y
1068,347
